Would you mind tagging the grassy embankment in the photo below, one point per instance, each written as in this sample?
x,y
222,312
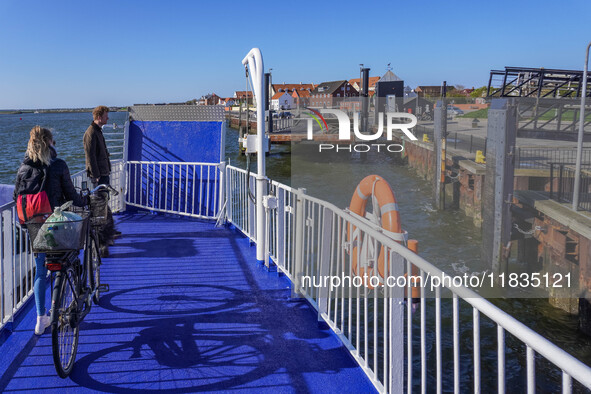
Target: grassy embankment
x,y
480,114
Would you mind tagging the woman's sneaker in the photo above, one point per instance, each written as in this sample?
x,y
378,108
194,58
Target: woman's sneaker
x,y
42,323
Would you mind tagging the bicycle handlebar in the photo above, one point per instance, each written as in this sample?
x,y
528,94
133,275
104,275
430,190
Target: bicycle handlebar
x,y
104,187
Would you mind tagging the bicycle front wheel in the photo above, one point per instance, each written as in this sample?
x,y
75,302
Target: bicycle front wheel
x,y
64,330
94,268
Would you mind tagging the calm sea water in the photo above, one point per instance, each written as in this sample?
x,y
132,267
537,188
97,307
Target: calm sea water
x,y
448,239
68,129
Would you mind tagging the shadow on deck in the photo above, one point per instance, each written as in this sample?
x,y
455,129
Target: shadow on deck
x,y
189,310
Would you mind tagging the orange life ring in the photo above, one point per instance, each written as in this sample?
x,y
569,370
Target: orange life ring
x,y
377,186
390,219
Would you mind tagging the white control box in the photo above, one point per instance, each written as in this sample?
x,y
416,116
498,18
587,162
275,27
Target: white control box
x,y
270,202
250,142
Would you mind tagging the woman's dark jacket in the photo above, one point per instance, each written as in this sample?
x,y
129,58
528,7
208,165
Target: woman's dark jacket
x,y
58,184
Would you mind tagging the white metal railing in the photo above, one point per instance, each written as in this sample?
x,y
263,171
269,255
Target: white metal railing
x,y
309,237
281,124
240,209
16,268
116,140
190,189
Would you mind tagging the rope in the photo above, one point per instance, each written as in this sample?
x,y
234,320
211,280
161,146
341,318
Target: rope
x,y
454,178
530,232
377,213
375,207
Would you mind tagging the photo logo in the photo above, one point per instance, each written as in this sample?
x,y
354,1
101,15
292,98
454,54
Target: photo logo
x,y
394,123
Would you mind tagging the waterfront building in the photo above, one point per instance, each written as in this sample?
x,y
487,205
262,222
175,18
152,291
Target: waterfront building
x,y
281,101
355,82
327,94
291,87
301,98
210,99
243,96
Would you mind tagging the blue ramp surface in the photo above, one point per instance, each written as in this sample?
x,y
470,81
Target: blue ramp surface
x,y
188,311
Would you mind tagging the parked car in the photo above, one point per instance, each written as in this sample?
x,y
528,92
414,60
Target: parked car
x,y
453,110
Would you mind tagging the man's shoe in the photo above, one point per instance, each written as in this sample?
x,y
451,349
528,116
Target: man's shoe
x,y
42,323
104,251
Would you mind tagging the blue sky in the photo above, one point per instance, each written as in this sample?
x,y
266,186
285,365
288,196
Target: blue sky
x,y
81,54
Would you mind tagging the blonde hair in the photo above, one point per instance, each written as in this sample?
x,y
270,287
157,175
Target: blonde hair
x,y
38,147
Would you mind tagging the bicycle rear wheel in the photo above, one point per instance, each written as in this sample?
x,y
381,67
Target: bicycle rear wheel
x,y
94,267
64,337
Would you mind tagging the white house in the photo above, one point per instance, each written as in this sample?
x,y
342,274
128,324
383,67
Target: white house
x,y
281,101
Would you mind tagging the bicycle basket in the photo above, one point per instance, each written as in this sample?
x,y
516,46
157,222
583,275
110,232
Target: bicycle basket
x,y
58,236
99,204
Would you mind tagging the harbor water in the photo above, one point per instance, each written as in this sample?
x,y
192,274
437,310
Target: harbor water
x,y
448,239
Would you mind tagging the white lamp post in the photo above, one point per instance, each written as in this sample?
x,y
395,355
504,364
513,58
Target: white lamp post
x,y
254,59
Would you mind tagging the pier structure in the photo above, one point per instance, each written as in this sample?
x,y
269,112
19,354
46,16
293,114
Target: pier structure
x,y
521,196
549,99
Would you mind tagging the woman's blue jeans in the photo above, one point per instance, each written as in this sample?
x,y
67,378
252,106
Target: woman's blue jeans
x,y
40,284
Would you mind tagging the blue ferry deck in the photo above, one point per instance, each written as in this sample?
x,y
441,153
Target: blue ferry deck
x,y
188,310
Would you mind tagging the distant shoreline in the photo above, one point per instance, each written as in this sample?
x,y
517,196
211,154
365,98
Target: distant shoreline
x,y
56,110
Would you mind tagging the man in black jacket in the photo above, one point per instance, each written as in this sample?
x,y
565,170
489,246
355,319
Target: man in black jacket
x,y
98,167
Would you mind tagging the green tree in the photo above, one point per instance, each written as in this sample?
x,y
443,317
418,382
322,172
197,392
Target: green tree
x,y
480,92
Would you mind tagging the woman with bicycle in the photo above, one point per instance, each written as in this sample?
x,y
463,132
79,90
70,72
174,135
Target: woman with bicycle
x,y
40,171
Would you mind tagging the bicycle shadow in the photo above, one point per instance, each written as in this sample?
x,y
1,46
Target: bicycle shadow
x,y
238,350
201,337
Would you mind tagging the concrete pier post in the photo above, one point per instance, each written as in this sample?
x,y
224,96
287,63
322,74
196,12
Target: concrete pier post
x,y
439,134
498,184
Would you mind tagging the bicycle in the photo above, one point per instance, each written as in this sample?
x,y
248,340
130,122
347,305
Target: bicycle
x,y
74,285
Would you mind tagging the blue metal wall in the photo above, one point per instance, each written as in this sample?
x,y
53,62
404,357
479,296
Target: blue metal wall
x,y
184,141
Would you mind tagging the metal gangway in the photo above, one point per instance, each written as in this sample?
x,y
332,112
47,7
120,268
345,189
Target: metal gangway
x,y
549,100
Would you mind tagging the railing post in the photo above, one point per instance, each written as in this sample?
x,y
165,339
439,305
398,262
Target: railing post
x,y
222,186
124,173
3,259
299,241
229,190
551,180
560,182
252,211
280,227
324,270
396,321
